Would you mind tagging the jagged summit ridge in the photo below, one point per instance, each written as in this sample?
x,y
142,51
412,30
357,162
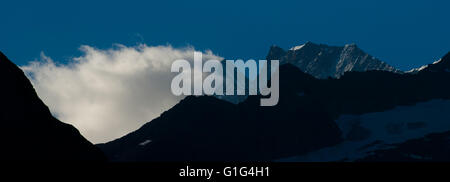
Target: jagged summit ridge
x,y
323,61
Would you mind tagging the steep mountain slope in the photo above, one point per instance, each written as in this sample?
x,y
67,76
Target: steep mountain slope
x,y
442,65
323,61
208,129
28,131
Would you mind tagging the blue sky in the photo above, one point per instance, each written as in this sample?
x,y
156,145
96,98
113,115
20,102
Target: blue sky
x,y
405,34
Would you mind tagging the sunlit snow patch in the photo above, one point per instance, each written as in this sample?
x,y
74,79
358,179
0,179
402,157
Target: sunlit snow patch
x,y
145,142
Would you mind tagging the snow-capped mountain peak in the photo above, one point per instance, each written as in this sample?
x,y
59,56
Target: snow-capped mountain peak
x,y
350,45
323,61
415,70
441,65
297,47
438,61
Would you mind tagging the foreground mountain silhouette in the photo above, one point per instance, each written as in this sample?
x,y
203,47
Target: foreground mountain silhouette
x,y
206,128
28,131
209,129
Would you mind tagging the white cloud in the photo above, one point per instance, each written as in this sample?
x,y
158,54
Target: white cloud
x,y
108,93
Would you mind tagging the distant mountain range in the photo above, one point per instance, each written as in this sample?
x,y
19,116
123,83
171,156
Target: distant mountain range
x,y
323,61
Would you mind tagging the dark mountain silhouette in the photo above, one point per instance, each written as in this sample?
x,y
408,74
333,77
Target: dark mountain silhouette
x,y
28,131
206,128
372,91
323,61
432,147
442,65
